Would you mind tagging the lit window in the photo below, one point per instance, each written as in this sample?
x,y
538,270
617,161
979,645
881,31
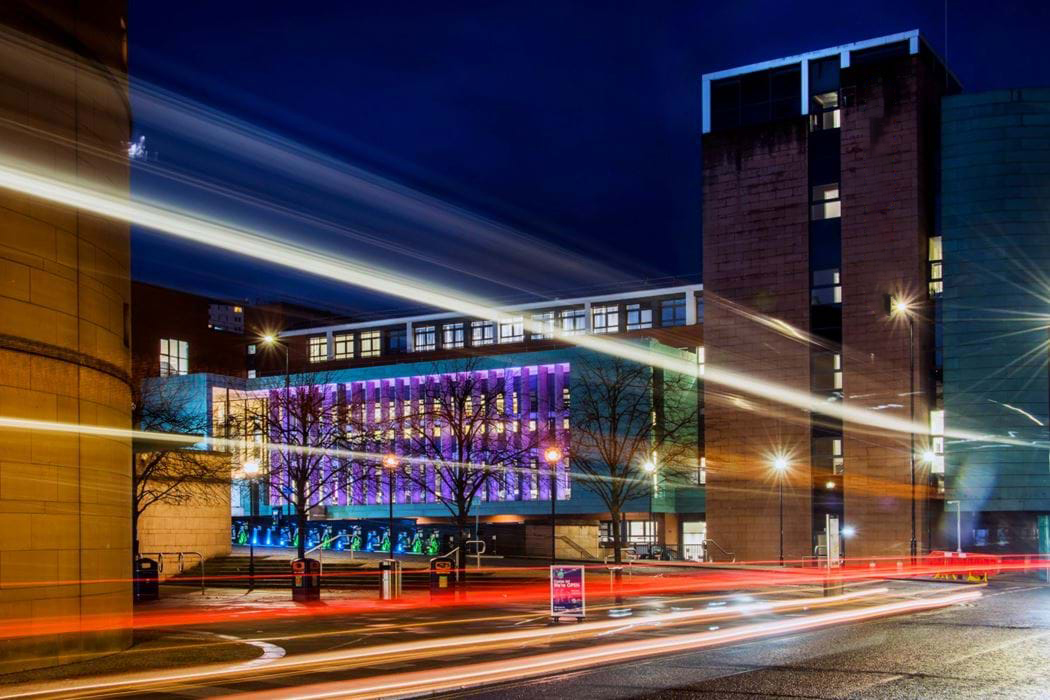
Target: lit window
x,y
836,456
936,267
371,343
827,287
826,203
573,321
937,441
639,317
452,335
826,371
824,112
251,374
343,344
251,348
174,357
318,348
605,319
672,312
544,325
512,330
482,332
425,338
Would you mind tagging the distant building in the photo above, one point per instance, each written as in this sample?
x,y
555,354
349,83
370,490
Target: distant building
x,y
996,223
820,174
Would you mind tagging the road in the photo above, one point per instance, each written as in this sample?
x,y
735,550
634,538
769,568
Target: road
x,y
966,649
997,646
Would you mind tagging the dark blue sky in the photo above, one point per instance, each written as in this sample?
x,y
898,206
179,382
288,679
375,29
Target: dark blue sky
x,y
574,122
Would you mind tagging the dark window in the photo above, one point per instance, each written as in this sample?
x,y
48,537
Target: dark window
x,y
725,104
879,54
396,341
824,75
672,312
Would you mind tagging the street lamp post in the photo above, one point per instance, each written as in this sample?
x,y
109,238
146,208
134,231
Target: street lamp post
x,y
251,470
780,464
552,455
390,463
903,308
650,468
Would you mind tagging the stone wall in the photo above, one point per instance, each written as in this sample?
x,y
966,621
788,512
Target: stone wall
x,y
571,541
65,541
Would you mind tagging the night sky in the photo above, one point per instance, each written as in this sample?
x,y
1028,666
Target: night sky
x,y
575,123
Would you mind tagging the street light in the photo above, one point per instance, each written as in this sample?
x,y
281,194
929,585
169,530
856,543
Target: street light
x,y
650,468
251,470
897,306
390,463
780,464
552,455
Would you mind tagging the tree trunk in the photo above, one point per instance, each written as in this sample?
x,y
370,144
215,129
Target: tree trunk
x,y
617,536
463,526
300,519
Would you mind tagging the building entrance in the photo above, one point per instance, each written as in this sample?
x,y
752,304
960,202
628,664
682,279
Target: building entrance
x,y
694,532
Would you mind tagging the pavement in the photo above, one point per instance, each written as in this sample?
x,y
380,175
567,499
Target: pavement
x,y
262,642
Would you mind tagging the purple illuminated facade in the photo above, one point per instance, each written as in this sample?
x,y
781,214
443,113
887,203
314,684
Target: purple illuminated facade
x,y
535,412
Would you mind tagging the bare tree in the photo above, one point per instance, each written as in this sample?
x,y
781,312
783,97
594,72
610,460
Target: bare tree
x,y
166,470
462,427
317,445
624,413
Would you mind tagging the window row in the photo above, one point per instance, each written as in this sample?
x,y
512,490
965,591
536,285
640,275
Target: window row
x,y
604,318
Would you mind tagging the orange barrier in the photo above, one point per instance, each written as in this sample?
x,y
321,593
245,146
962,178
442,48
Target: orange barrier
x,y
964,566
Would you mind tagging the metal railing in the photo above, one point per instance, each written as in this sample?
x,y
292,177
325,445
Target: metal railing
x,y
180,561
479,550
320,548
720,548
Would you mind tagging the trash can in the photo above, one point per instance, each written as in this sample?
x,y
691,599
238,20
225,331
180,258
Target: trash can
x,y
389,579
442,576
306,580
147,580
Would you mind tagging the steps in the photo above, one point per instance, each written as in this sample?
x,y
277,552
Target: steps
x,y
275,573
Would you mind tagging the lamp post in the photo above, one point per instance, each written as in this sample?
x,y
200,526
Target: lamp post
x,y
251,470
650,468
901,307
552,455
780,464
390,463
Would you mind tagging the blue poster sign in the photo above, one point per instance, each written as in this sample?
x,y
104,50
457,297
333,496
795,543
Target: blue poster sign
x,y
567,591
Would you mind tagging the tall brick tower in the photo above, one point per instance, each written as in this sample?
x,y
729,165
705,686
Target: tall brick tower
x,y
819,179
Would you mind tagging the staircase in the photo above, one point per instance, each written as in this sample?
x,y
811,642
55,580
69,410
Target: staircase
x,y
275,573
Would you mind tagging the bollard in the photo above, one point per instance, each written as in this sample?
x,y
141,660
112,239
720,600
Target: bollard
x,y
389,579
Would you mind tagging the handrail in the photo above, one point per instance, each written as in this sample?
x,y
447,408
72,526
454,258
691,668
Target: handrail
x,y
480,550
576,546
180,559
320,557
442,556
720,548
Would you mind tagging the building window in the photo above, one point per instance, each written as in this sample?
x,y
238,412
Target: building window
x,y
544,324
371,343
639,317
174,357
343,346
837,463
824,112
425,338
251,348
318,348
573,321
251,374
452,335
825,203
482,332
827,287
396,340
826,372
672,312
936,267
699,309
512,330
605,319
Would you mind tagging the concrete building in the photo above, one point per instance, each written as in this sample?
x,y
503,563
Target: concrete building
x,y
996,214
820,175
383,363
65,548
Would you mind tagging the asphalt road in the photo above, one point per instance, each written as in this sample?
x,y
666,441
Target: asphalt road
x,y
997,647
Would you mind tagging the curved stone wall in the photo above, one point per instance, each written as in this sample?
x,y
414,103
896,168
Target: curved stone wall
x,y
64,338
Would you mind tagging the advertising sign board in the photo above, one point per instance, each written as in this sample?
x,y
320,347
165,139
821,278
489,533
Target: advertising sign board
x,y
567,598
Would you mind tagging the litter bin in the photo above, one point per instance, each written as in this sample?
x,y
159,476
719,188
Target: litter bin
x,y
389,579
306,580
442,576
147,580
